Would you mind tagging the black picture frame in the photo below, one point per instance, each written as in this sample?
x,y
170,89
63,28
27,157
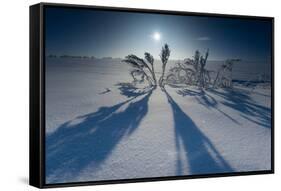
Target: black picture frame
x,y
37,95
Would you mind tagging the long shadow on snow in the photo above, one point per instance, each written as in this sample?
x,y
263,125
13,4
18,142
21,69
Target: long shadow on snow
x,y
237,99
91,138
202,156
206,100
241,101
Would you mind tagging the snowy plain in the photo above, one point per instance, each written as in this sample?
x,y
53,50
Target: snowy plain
x,y
98,127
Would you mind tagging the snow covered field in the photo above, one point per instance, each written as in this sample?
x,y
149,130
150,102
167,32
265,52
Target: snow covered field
x,y
98,127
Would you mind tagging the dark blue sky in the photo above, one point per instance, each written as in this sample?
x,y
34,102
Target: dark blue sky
x,y
117,34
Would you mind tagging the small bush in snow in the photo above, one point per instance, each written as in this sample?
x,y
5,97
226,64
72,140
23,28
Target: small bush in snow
x,y
224,75
191,72
141,70
150,60
164,56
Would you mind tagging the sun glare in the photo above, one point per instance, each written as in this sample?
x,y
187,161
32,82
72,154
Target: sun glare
x,y
156,36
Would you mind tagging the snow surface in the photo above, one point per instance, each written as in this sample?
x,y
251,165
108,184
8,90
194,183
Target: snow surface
x,y
98,127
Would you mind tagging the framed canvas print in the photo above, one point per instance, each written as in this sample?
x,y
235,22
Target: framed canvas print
x,y
126,95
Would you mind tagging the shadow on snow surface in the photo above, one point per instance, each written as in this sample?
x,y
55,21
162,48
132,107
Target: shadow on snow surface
x,y
236,99
202,156
91,138
75,145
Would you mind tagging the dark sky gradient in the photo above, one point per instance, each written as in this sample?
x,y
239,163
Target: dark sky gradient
x,y
117,34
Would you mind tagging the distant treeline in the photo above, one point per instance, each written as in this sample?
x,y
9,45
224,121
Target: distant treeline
x,y
77,57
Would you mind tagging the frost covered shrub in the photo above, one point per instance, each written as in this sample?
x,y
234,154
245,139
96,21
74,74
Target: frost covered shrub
x,y
164,56
191,71
140,69
224,75
143,70
204,76
150,60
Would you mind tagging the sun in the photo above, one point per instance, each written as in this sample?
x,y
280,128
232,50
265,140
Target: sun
x,y
156,36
